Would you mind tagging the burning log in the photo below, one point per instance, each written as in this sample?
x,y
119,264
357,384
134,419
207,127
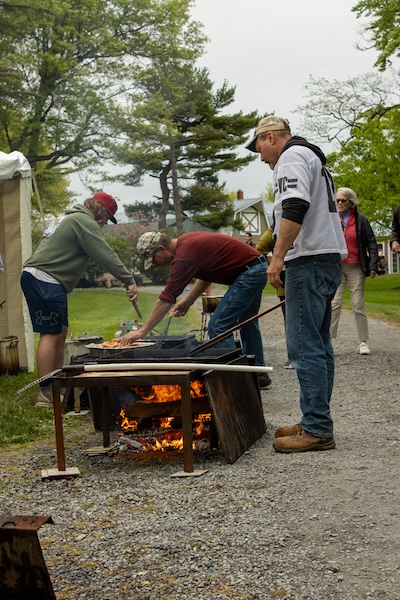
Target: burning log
x,y
161,406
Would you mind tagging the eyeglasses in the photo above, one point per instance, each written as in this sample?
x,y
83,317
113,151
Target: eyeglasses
x,y
341,201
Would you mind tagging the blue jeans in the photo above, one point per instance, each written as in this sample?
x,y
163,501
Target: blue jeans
x,y
241,301
310,286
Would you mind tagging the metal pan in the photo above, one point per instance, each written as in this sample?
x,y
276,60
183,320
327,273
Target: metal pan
x,y
99,351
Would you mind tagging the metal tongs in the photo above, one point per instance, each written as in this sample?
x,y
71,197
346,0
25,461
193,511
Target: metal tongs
x,y
136,307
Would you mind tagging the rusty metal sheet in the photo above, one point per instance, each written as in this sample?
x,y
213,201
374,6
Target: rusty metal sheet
x,y
23,571
24,522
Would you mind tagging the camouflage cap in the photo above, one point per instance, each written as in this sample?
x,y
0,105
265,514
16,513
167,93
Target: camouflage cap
x,y
271,123
147,245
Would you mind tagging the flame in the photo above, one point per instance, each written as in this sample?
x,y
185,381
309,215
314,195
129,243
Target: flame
x,y
166,393
201,420
127,424
165,422
168,444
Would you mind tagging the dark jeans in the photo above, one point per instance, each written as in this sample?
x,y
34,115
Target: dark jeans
x,y
241,301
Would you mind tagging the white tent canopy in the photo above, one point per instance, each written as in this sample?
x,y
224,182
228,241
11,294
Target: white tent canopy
x,y
15,248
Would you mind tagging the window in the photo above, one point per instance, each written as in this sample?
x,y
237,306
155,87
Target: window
x,y
251,220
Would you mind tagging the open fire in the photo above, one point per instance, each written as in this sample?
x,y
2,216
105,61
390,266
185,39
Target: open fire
x,y
162,433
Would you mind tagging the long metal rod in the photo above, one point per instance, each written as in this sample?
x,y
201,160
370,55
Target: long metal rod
x,y
222,336
48,376
156,366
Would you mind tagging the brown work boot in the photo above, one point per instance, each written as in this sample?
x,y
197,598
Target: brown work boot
x,y
290,430
264,380
303,442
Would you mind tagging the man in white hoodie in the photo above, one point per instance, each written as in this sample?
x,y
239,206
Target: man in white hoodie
x,y
309,242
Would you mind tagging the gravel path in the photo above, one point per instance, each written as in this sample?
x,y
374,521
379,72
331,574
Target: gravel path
x,y
320,526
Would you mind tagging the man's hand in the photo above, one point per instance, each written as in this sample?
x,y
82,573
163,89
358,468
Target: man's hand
x,y
130,337
274,272
180,309
132,292
396,247
288,232
159,311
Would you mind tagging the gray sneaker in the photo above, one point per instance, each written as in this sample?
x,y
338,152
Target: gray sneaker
x,y
44,399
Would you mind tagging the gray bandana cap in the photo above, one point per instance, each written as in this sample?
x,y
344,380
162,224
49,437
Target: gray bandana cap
x,y
147,246
271,123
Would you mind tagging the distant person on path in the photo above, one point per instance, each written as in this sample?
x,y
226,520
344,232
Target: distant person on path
x,y
248,238
209,258
53,271
395,239
310,244
361,262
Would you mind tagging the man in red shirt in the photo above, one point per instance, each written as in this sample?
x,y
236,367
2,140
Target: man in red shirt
x,y
208,258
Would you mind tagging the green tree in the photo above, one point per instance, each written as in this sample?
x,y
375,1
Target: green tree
x,y
210,206
383,28
369,164
71,63
178,132
268,195
360,118
336,109
145,213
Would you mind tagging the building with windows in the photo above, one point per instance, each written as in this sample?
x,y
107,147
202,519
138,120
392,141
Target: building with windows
x,y
255,214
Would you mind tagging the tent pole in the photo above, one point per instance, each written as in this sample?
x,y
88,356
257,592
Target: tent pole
x,y
35,187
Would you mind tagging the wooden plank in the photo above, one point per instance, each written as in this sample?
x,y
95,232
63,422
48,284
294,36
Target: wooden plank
x,y
57,474
237,410
196,473
141,410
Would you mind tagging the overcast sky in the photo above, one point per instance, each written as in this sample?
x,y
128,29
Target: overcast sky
x,y
268,50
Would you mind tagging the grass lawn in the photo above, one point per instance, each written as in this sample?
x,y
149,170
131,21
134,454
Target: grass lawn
x,y
99,311
382,297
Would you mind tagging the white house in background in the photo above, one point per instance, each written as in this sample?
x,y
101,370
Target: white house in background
x,y
392,259
255,214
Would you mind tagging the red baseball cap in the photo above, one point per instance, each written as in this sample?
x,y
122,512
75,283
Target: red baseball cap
x,y
109,203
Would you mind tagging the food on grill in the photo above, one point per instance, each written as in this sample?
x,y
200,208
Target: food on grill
x,y
115,344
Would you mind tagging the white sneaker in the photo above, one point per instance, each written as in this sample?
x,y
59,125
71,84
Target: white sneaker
x,y
44,399
364,348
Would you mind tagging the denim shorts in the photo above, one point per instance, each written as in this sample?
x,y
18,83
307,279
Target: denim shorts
x,y
47,303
